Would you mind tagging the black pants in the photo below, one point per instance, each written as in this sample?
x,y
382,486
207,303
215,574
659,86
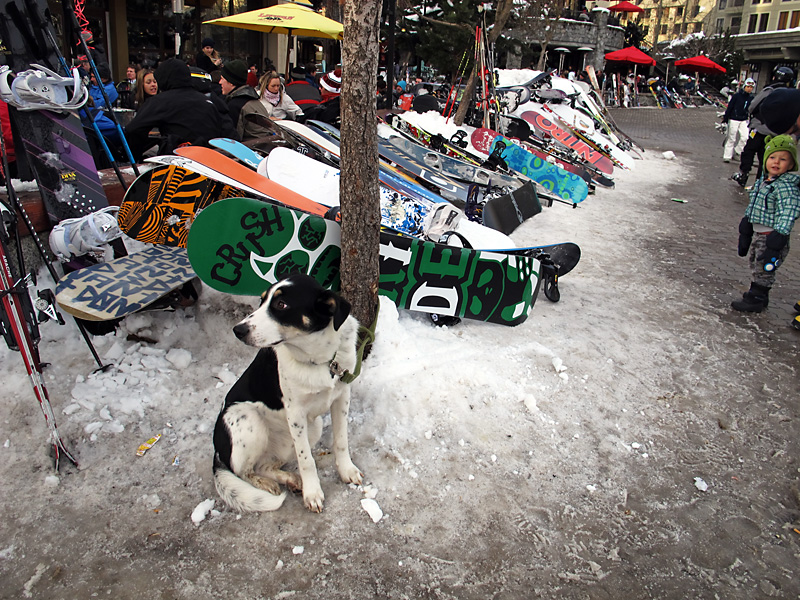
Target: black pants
x,y
752,149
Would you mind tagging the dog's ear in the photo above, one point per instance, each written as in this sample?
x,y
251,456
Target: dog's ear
x,y
333,306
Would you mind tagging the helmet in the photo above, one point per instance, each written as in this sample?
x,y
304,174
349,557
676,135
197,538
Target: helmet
x,y
734,82
749,81
782,74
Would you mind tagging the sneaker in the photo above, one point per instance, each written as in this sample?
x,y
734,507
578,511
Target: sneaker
x,y
796,322
797,307
740,178
726,160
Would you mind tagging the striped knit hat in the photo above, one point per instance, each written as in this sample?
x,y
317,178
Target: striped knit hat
x,y
332,82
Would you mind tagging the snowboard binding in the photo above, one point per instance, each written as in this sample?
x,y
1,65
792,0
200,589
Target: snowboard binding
x,y
39,88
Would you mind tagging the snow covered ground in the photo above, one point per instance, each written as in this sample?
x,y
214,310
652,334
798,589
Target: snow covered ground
x,y
567,457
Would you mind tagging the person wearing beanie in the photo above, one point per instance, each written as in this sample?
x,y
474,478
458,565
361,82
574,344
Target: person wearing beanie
x,y
331,84
181,113
736,117
305,95
768,221
208,58
242,100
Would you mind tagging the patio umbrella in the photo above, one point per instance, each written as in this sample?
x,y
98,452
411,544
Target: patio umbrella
x,y
626,7
700,64
631,55
288,19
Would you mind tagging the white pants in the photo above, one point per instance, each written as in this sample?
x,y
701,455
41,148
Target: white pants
x,y
735,129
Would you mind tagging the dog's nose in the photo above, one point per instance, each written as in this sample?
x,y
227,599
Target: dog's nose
x,y
240,331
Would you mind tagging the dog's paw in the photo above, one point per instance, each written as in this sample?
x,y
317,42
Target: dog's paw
x,y
314,500
266,484
294,482
351,474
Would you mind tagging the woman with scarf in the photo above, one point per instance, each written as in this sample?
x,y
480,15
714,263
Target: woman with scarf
x,y
277,102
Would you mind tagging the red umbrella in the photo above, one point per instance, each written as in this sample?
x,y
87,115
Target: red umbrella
x,y
700,64
631,55
627,7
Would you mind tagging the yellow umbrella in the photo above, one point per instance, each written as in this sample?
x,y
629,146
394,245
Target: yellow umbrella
x,y
288,19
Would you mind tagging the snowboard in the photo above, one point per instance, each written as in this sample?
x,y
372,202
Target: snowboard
x,y
583,127
212,159
408,165
120,287
554,179
242,246
160,204
325,143
452,167
238,150
506,213
320,183
571,141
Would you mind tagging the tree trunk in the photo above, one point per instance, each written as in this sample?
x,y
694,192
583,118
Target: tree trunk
x,y
358,188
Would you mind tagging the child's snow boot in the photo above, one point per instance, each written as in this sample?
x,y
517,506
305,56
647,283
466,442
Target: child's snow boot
x,y
796,322
755,299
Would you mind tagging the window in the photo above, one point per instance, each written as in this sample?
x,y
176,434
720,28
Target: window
x,y
679,11
646,13
763,22
698,27
738,2
720,26
783,18
736,23
723,4
795,22
756,1
752,24
663,30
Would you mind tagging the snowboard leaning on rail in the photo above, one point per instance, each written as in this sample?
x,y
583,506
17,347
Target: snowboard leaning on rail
x,y
242,246
567,186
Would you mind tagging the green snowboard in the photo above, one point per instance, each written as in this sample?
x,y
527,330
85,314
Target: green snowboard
x,y
242,246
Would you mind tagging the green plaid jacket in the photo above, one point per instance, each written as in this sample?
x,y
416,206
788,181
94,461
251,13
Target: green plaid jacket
x,y
775,204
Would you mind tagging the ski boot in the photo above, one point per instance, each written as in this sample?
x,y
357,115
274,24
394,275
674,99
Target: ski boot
x,y
796,320
756,299
740,178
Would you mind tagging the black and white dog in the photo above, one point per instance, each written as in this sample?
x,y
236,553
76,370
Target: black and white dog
x,y
273,413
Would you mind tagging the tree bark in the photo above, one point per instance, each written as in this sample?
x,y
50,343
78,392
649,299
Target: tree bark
x,y
358,187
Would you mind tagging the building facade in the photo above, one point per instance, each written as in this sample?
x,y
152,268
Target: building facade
x,y
766,31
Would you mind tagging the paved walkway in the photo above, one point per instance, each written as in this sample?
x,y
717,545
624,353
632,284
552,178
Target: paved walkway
x,y
705,255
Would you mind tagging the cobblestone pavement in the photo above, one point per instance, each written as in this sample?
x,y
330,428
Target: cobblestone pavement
x,y
705,254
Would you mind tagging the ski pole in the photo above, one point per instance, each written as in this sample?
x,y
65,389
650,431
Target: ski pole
x,y
38,50
13,310
74,20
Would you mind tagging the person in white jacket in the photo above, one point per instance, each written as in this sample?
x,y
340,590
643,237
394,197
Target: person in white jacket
x,y
277,102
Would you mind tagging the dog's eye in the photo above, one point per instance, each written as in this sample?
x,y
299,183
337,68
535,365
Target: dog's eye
x,y
280,305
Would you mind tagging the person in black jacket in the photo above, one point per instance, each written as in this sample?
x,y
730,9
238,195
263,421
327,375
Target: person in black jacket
x,y
782,77
736,116
179,112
